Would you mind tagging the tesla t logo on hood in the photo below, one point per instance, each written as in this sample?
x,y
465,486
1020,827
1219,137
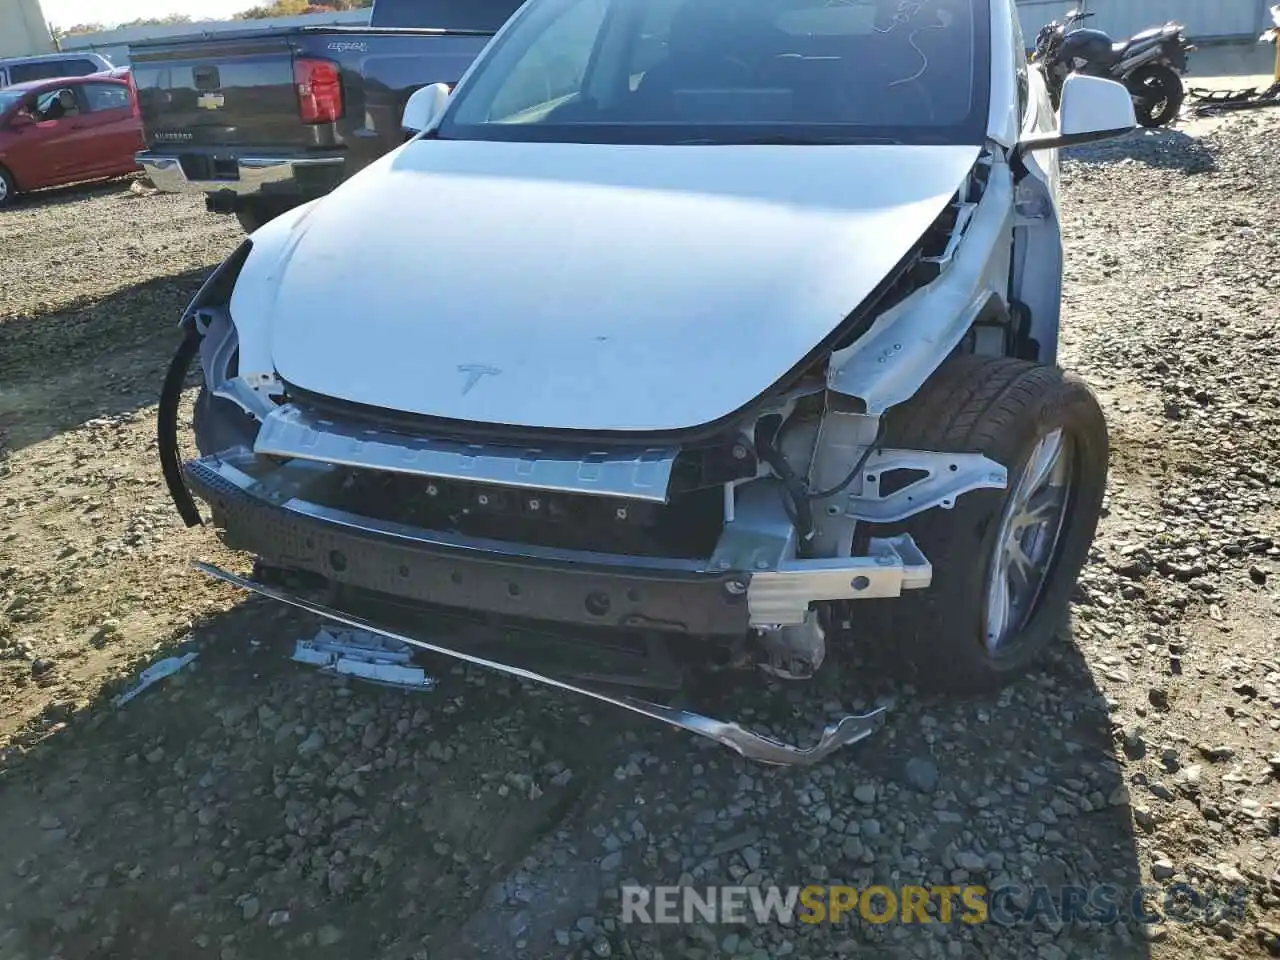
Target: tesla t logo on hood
x,y
474,372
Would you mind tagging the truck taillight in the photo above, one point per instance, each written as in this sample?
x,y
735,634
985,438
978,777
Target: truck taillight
x,y
319,84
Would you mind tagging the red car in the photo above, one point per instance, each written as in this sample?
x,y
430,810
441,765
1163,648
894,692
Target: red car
x,y
64,130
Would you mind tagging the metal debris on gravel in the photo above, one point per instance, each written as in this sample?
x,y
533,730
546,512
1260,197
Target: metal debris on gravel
x,y
364,655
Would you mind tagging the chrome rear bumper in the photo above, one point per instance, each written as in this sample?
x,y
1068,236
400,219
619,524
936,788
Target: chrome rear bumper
x,y
253,174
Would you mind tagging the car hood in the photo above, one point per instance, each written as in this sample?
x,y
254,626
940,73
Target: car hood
x,y
584,286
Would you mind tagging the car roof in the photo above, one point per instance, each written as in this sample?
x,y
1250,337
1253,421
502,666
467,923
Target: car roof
x,y
30,85
46,57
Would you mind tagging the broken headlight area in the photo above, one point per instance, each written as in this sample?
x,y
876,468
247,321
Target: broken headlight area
x,y
646,541
698,542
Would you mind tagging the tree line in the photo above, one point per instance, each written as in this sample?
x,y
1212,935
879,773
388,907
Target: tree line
x,y
263,11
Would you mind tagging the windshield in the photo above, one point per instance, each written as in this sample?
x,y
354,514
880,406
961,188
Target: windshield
x,y
10,97
732,71
487,15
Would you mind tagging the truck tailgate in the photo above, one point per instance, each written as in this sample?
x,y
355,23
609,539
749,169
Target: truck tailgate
x,y
220,92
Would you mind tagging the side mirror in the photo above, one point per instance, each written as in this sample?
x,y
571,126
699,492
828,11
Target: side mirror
x,y
21,119
425,107
1092,109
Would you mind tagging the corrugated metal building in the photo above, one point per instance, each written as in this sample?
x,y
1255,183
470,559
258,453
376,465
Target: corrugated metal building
x,y
114,44
1241,20
23,30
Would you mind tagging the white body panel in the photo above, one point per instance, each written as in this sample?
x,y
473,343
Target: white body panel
x,y
1002,117
591,287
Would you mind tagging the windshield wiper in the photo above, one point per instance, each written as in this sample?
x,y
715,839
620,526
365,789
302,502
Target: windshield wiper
x,y
792,141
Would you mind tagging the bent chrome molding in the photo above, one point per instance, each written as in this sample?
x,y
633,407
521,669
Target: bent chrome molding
x,y
753,746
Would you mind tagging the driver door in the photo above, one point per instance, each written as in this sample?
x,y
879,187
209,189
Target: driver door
x,y
45,154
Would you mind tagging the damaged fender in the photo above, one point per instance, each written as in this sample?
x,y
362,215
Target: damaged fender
x,y
909,341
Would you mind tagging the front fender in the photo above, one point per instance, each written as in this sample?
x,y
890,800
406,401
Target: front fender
x,y
909,341
251,302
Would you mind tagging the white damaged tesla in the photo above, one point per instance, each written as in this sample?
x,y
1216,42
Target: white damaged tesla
x,y
726,328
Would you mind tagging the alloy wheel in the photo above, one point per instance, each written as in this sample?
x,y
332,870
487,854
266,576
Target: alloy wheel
x,y
1027,543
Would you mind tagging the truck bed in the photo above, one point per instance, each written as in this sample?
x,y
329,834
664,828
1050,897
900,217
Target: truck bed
x,y
262,119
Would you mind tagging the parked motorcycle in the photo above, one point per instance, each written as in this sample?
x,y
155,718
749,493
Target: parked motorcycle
x,y
1149,63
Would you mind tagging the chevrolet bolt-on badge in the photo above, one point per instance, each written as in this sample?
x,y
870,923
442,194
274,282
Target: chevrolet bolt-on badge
x,y
474,372
211,101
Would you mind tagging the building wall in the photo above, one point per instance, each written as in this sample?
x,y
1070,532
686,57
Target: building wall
x,y
114,44
1204,19
23,30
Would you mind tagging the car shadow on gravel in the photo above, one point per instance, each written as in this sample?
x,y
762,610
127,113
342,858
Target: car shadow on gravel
x,y
249,807
1163,149
76,192
97,359
1021,793
256,808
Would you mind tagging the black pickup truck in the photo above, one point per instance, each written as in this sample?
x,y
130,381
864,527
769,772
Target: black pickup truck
x,y
262,120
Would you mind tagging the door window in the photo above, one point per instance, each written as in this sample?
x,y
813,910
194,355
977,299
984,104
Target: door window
x,y
106,96
48,69
57,104
26,72
40,70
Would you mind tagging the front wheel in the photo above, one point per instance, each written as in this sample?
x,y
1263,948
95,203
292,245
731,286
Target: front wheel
x,y
1157,95
8,189
1004,561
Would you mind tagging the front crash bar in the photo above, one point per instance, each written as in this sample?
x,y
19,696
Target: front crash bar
x,y
753,746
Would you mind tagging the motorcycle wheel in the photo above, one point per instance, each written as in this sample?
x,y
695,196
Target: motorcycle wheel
x,y
1157,95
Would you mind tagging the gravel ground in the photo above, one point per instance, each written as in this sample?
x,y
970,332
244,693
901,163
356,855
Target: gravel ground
x,y
249,808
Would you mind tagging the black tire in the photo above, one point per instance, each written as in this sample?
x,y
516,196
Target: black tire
x,y
8,188
1158,95
999,407
255,214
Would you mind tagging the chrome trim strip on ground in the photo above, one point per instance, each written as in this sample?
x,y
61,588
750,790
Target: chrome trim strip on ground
x,y
753,746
